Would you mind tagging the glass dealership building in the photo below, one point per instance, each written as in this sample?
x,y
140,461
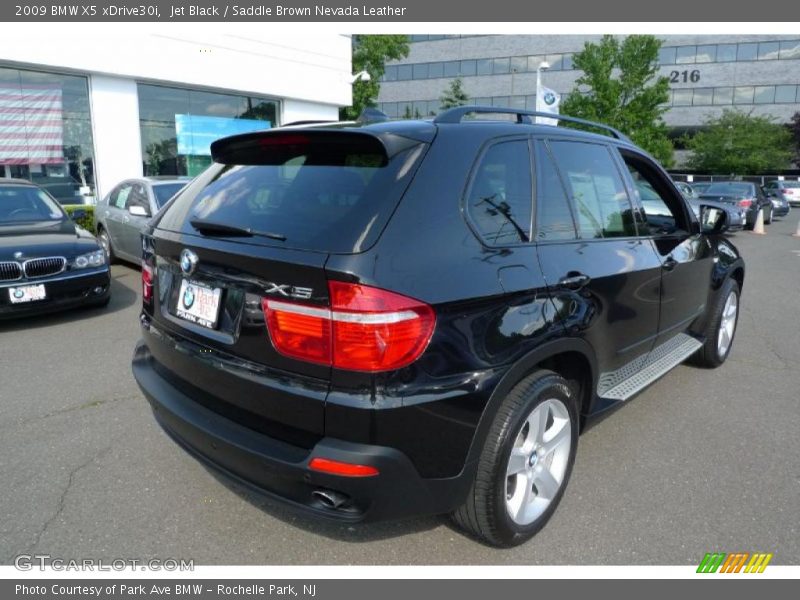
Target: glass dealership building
x,y
81,114
758,74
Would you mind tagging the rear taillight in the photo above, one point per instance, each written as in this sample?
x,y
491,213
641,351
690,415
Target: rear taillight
x,y
147,283
745,202
365,328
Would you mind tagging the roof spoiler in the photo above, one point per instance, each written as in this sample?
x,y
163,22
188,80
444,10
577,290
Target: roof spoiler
x,y
455,115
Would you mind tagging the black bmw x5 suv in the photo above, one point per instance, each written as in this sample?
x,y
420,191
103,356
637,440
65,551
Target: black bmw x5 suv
x,y
379,319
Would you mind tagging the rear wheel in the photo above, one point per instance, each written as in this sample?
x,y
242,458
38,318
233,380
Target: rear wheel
x,y
525,463
721,327
768,218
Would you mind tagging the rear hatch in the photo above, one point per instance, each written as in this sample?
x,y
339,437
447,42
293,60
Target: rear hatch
x,y
260,224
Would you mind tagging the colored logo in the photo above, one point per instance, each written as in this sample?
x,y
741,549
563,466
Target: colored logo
x,y
737,562
18,294
549,98
188,297
188,261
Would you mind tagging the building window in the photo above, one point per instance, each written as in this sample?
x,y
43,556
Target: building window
x,y
46,133
555,61
764,94
743,95
768,50
177,125
452,68
723,95
501,101
726,52
747,52
682,97
703,97
484,66
468,68
501,66
790,49
420,71
785,94
519,64
390,74
404,72
685,55
568,62
666,56
436,70
706,54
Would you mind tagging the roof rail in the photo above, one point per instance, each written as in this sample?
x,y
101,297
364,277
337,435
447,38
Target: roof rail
x,y
455,115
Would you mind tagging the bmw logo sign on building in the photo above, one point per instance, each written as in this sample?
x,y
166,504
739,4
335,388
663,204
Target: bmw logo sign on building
x,y
549,98
188,261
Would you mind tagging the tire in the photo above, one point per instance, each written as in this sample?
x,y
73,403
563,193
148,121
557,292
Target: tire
x,y
714,352
501,509
105,242
768,220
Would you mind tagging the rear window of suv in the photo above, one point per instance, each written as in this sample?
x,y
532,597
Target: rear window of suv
x,y
320,190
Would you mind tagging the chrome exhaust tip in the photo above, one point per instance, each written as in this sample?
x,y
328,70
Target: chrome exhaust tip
x,y
330,499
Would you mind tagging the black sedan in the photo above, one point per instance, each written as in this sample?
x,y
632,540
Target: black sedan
x,y
47,262
742,194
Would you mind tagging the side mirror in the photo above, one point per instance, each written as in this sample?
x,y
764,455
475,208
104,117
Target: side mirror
x,y
713,220
78,214
138,211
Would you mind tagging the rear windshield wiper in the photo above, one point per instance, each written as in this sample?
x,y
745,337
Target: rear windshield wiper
x,y
224,230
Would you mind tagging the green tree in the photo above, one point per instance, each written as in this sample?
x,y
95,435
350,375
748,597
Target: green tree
x,y
738,143
454,95
620,87
370,53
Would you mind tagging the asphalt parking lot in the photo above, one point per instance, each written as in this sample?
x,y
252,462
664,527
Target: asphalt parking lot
x,y
701,461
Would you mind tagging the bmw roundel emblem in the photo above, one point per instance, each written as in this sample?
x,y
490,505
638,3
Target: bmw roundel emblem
x,y
188,297
18,294
549,98
188,261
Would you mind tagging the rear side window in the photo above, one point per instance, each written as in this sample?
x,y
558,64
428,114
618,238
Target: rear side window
x,y
499,197
601,205
322,191
553,215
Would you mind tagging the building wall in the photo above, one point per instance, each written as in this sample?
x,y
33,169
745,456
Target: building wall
x,y
517,87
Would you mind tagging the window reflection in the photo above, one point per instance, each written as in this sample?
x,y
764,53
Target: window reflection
x,y
46,133
178,124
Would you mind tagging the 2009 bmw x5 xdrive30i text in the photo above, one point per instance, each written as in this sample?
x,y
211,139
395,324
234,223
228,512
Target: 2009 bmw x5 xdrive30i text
x,y
380,319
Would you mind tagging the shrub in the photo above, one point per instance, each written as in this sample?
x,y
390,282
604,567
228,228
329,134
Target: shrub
x,y
87,221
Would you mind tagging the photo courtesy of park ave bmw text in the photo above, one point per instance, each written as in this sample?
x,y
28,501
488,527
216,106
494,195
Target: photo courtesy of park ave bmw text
x,y
328,300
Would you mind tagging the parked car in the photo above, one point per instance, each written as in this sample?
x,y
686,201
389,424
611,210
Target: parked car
x,y
785,190
687,190
366,320
47,262
700,187
122,214
743,194
736,215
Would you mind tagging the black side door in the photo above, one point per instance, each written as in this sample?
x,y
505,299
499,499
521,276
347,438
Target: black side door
x,y
603,277
686,257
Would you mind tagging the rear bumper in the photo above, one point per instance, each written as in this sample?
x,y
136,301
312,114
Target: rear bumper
x,y
63,291
281,470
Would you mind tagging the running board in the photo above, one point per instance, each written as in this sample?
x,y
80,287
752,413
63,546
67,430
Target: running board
x,y
660,361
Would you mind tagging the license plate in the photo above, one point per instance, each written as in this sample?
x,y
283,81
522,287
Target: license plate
x,y
26,293
198,303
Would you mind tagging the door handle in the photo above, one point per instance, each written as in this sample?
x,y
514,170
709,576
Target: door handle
x,y
669,264
574,280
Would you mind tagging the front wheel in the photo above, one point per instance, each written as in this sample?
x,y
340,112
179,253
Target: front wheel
x,y
721,327
525,463
105,243
768,219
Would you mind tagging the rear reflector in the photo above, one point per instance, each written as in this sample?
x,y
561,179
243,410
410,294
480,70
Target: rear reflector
x,y
745,202
334,467
366,328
